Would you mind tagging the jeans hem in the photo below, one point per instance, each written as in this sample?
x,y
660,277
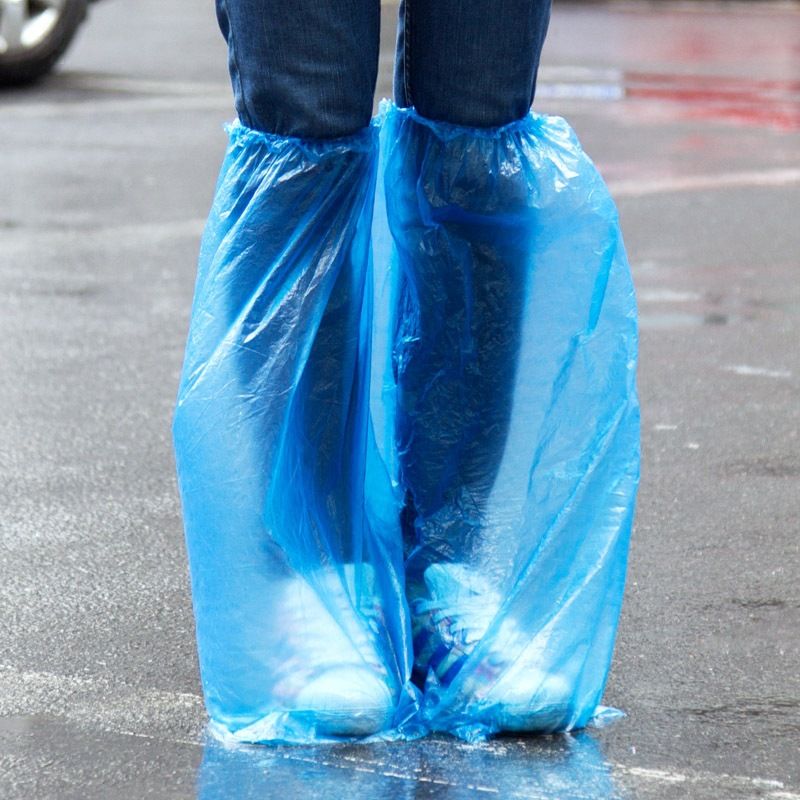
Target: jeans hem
x,y
363,139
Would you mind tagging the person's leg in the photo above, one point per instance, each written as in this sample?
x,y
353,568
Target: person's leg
x,y
514,364
303,68
299,637
471,64
307,69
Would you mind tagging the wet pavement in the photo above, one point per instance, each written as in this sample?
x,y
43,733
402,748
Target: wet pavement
x,y
693,115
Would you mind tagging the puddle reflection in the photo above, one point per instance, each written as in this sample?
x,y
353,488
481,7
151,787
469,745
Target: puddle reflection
x,y
547,768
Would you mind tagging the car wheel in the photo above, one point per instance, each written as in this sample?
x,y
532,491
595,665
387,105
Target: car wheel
x,y
34,34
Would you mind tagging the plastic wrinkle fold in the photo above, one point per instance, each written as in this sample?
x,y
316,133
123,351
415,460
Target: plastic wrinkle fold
x,y
407,433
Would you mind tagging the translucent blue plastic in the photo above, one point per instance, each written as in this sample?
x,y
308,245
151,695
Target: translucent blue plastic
x,y
301,624
427,464
507,415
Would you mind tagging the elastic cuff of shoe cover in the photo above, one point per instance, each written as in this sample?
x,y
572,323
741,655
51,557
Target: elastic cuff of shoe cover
x,y
364,139
451,129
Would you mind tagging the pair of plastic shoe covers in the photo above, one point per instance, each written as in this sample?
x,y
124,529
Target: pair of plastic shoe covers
x,y
407,433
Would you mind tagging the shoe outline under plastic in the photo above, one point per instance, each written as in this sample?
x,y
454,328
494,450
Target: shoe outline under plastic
x,y
331,674
447,626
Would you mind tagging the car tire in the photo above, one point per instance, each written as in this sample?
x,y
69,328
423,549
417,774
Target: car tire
x,y
26,62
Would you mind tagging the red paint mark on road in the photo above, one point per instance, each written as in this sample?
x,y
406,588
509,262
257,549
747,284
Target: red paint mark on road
x,y
763,103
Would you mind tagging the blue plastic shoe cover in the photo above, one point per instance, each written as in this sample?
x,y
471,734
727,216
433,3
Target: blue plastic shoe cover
x,y
499,375
504,401
297,579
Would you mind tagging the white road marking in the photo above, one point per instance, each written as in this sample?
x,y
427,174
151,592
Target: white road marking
x,y
95,107
660,775
580,91
123,84
22,240
762,372
698,183
666,296
565,73
721,779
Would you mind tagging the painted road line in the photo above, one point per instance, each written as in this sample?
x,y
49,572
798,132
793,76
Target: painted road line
x,y
758,372
697,183
80,239
95,106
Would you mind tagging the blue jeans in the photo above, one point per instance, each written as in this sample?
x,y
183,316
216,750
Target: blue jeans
x,y
308,68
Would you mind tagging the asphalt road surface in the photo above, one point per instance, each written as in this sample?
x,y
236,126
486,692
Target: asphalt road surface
x,y
106,173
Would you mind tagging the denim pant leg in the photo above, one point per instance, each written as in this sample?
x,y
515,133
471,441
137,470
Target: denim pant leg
x,y
469,62
304,68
